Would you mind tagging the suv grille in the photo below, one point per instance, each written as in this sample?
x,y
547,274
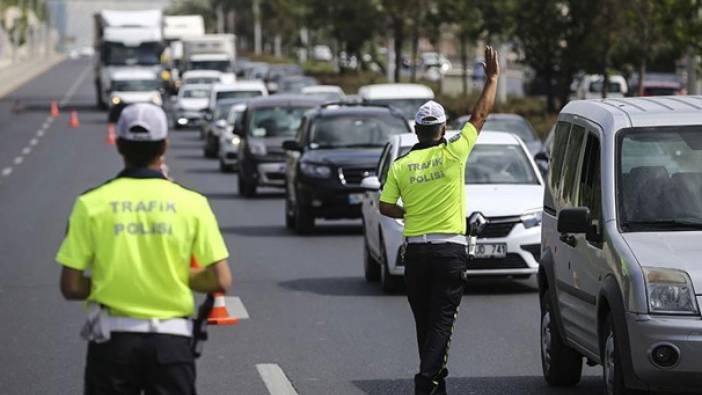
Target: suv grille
x,y
354,175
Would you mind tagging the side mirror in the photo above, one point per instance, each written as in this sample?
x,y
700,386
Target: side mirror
x,y
574,220
292,145
541,156
476,223
371,183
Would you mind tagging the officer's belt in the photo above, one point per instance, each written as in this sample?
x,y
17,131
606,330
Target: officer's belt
x,y
437,239
174,326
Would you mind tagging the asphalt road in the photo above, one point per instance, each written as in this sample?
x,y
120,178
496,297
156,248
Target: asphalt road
x,y
311,312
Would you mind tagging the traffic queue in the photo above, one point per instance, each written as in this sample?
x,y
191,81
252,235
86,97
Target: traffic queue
x,y
600,214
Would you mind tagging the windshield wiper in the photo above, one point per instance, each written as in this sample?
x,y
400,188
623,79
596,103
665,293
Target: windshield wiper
x,y
665,224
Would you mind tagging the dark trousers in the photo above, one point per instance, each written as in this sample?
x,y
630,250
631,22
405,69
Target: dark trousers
x,y
130,363
434,289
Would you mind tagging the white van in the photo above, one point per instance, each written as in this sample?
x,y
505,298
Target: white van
x,y
406,98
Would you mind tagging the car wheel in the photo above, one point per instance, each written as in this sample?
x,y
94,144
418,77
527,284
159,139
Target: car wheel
x,y
562,366
304,221
289,213
225,168
389,283
612,367
371,268
246,189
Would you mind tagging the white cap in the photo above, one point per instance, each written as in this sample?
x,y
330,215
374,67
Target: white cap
x,y
430,113
142,122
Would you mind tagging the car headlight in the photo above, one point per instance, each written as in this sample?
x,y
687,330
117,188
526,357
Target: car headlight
x,y
115,100
257,148
670,291
236,140
532,218
316,171
156,99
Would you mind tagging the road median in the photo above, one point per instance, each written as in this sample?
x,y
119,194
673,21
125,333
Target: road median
x,y
14,75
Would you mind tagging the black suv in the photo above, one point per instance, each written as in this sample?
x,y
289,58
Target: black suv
x,y
336,147
266,123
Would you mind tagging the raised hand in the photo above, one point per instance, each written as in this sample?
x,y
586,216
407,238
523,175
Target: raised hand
x,y
491,64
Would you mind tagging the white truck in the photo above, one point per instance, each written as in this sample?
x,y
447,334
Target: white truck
x,y
177,28
125,39
211,52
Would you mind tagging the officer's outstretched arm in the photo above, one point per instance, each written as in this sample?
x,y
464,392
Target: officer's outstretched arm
x,y
74,284
213,278
487,98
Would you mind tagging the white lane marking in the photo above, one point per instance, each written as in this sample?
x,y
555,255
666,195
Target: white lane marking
x,y
6,171
26,151
40,132
33,142
18,160
45,125
236,307
72,90
275,380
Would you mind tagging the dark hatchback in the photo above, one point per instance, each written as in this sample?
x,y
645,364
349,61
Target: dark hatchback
x,y
266,123
336,147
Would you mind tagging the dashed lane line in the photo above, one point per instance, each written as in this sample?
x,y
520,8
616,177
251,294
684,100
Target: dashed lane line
x,y
26,151
18,160
33,141
275,380
6,171
40,132
236,307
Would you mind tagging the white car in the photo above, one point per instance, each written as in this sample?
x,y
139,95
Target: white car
x,y
590,87
201,77
502,182
135,85
239,90
325,92
190,103
229,142
406,98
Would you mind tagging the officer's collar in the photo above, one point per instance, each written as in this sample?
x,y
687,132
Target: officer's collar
x,y
141,172
428,144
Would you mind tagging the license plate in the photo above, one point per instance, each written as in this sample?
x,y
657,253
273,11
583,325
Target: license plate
x,y
356,198
498,250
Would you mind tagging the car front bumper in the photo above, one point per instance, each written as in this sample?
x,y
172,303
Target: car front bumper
x,y
684,333
188,118
330,200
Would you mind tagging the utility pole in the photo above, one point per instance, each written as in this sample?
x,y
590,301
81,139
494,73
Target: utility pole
x,y
220,18
257,27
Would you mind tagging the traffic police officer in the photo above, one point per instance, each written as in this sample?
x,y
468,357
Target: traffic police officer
x,y
135,235
430,181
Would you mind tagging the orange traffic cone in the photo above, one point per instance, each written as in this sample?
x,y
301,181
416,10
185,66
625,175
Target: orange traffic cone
x,y
111,135
74,119
54,109
219,314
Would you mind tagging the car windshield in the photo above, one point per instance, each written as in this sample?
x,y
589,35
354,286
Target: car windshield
x,y
219,65
201,80
196,94
349,131
237,94
499,164
275,121
660,178
407,107
135,85
516,126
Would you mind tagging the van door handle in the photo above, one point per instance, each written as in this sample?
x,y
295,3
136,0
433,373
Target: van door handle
x,y
569,239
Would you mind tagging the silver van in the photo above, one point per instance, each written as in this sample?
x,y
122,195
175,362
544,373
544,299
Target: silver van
x,y
621,273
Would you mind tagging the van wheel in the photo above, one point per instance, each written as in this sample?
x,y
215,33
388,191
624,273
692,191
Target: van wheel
x,y
389,283
562,366
371,268
246,189
612,367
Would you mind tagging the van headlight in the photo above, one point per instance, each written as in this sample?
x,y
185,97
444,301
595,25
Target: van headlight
x,y
670,291
316,171
531,218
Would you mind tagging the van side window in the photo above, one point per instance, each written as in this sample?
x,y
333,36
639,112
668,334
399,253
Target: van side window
x,y
570,165
384,164
558,153
590,191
